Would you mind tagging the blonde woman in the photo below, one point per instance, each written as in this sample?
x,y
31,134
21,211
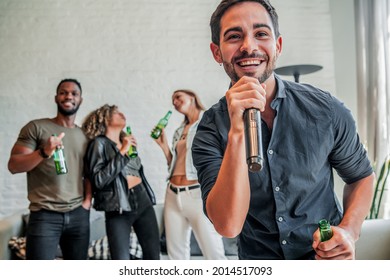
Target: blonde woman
x,y
119,185
183,209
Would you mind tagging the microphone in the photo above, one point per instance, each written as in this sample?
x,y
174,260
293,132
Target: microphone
x,y
253,139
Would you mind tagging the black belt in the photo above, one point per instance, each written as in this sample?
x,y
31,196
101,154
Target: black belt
x,y
177,190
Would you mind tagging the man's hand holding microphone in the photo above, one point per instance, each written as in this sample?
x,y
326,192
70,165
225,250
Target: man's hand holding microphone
x,y
246,99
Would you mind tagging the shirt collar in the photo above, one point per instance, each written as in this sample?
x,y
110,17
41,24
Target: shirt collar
x,y
183,124
281,91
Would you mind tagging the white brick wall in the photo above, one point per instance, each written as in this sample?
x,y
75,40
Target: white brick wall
x,y
130,53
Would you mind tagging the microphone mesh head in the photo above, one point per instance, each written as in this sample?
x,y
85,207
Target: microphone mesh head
x,y
255,164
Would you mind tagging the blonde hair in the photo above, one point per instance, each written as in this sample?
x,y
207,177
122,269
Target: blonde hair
x,y
96,122
198,103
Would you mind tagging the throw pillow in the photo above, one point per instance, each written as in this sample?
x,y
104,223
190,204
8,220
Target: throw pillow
x,y
99,249
18,247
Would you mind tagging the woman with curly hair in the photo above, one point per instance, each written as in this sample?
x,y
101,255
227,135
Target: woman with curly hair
x,y
119,186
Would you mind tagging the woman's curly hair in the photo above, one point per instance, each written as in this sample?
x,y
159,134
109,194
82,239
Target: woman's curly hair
x,y
96,122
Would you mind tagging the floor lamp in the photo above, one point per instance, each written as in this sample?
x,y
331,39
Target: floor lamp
x,y
297,70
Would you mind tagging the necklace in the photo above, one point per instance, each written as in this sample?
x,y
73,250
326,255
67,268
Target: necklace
x,y
185,132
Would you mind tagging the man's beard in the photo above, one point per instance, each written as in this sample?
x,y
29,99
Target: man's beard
x,y
69,112
229,68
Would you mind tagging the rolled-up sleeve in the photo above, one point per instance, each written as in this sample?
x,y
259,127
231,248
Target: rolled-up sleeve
x,y
348,156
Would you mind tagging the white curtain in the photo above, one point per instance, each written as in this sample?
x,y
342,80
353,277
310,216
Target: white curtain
x,y
373,70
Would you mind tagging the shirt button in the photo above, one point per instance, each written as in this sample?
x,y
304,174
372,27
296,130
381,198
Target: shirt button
x,y
277,189
280,219
271,152
284,242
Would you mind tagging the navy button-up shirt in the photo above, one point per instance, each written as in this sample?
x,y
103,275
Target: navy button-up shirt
x,y
313,133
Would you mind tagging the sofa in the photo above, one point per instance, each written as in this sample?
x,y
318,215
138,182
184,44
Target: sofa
x,y
374,242
13,227
9,227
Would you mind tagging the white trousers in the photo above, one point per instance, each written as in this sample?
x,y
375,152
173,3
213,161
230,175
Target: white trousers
x,y
182,212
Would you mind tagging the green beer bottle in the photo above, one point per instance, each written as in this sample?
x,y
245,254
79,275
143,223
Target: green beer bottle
x,y
156,132
326,232
133,149
59,161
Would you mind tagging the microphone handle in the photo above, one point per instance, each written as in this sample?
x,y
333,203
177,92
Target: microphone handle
x,y
253,139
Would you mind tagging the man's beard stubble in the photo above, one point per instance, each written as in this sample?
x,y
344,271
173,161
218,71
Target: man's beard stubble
x,y
67,112
229,69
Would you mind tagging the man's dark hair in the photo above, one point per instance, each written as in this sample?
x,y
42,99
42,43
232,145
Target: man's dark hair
x,y
69,80
215,22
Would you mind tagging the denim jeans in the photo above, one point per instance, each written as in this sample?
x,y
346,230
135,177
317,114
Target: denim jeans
x,y
48,229
142,219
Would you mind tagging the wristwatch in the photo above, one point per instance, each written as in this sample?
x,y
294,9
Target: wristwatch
x,y
42,153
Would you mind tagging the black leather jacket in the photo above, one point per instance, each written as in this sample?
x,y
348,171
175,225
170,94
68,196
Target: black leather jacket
x,y
104,164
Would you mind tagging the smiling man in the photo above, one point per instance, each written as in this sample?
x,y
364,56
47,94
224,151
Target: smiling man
x,y
306,133
59,204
